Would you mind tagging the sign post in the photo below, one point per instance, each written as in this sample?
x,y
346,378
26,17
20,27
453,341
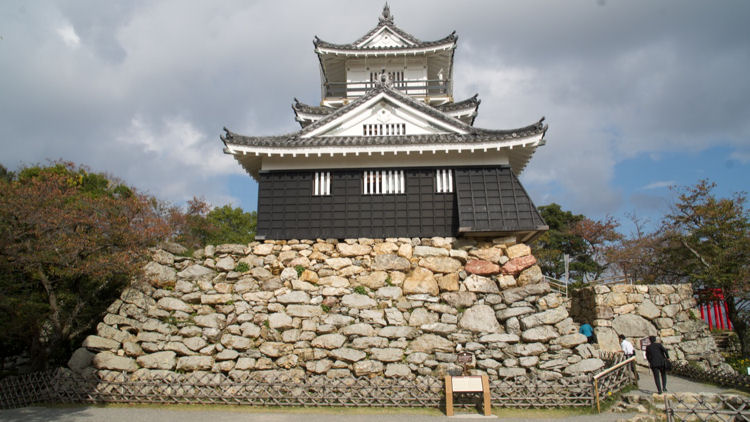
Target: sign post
x,y
467,384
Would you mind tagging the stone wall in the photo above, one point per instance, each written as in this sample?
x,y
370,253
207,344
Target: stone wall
x,y
392,308
636,311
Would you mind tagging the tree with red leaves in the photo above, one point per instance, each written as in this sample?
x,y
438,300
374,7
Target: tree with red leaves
x,y
70,240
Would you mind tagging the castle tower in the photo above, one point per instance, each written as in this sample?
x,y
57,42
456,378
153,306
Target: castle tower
x,y
389,153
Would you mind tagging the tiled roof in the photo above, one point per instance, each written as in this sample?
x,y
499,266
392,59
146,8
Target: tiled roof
x,y
294,140
492,200
386,20
305,108
460,105
300,107
473,135
384,88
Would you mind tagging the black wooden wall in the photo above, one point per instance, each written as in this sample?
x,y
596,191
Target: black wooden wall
x,y
287,208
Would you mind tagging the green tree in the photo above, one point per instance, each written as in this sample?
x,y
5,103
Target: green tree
x,y
586,241
232,225
70,240
201,225
706,240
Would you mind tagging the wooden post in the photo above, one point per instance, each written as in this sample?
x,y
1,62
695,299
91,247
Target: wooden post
x,y
486,394
448,396
464,387
596,395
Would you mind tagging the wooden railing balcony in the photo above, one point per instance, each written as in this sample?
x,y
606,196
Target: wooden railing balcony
x,y
408,87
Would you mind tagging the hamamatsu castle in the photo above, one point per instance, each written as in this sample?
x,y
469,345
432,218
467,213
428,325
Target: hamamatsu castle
x,y
388,152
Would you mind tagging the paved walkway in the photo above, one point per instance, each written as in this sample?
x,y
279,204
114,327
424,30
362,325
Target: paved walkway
x,y
201,414
249,414
677,384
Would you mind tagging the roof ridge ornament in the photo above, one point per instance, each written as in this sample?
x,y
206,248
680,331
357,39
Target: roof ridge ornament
x,y
386,17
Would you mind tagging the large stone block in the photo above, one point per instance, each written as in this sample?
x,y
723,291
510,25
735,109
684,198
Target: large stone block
x,y
367,367
420,251
348,355
195,363
293,297
100,343
607,339
421,281
517,251
634,326
648,310
374,280
160,275
439,264
80,359
358,301
459,299
515,266
479,318
174,304
481,267
531,275
389,262
479,284
195,272
275,349
329,341
109,360
584,366
543,334
158,360
355,249
430,343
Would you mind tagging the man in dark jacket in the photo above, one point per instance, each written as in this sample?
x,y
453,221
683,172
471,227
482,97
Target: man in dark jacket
x,y
657,357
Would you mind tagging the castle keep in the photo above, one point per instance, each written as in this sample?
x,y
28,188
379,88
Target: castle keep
x,y
389,153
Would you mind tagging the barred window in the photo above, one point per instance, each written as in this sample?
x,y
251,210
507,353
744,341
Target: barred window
x,y
383,182
387,129
444,181
322,183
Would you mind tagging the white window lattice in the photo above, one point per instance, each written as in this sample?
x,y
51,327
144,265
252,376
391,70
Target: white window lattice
x,y
444,181
322,183
387,129
383,182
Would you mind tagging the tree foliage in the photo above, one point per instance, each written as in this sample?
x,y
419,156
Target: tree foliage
x,y
706,241
586,241
70,240
202,225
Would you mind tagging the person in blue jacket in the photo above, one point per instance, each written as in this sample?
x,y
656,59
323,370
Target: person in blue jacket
x,y
588,331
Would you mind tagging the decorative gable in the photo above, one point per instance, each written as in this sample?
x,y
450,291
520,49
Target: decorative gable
x,y
385,38
385,115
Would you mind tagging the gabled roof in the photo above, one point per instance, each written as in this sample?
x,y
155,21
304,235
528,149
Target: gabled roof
x,y
467,104
454,135
385,23
306,114
386,91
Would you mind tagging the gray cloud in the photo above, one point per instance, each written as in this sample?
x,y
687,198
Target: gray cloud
x,y
145,90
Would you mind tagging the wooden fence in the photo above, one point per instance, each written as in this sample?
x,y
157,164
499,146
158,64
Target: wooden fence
x,y
706,407
64,386
716,376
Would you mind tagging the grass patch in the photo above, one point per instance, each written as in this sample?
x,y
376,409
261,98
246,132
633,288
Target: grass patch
x,y
362,290
242,267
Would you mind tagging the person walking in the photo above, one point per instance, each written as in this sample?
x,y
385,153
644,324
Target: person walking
x,y
627,347
658,359
629,351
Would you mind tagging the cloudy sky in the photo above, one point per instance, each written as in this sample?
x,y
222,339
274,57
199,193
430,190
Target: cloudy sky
x,y
638,95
